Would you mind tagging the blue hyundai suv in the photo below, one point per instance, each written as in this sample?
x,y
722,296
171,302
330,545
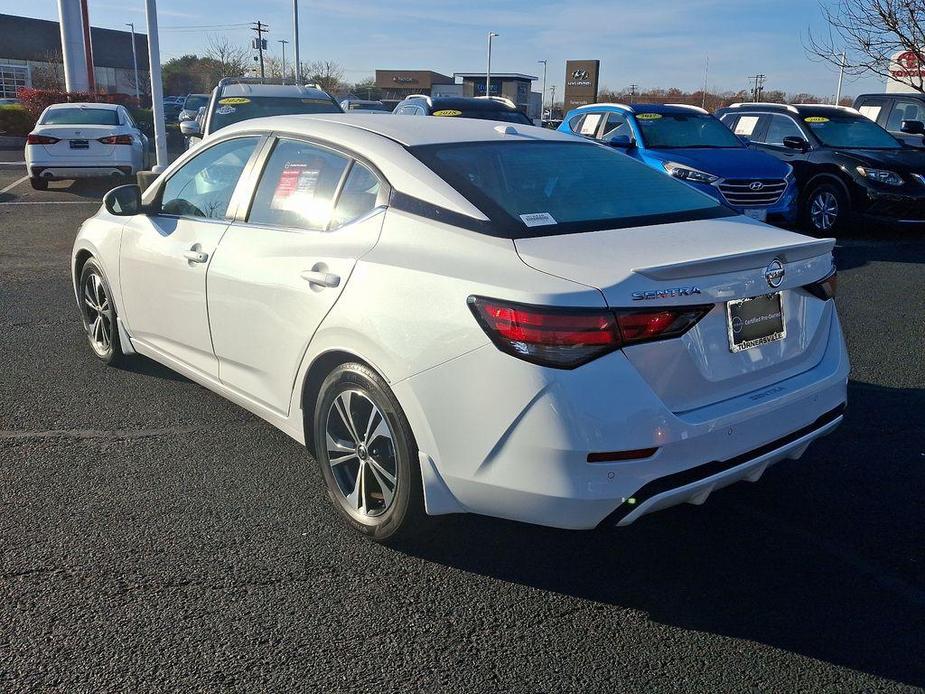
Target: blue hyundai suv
x,y
693,146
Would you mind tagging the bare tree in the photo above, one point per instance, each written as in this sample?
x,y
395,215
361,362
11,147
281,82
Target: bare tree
x,y
327,74
232,59
48,71
870,33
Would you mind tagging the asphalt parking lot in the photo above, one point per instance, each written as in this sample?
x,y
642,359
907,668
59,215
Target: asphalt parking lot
x,y
154,537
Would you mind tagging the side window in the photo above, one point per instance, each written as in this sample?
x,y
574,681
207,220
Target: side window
x,y
204,185
904,109
871,108
780,127
746,126
590,124
575,122
357,197
616,126
404,111
297,186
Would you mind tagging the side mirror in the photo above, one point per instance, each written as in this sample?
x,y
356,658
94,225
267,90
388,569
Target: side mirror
x,y
190,128
621,141
797,143
124,201
913,127
186,115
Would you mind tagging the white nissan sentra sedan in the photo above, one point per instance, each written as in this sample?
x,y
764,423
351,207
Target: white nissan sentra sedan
x,y
84,140
467,316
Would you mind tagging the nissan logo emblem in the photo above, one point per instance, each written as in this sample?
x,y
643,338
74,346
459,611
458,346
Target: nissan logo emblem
x,y
774,273
756,186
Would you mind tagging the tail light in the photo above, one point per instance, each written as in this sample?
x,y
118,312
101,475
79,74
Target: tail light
x,y
33,139
824,288
116,140
566,338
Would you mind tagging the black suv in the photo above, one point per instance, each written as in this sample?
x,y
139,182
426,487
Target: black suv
x,y
493,108
845,164
903,115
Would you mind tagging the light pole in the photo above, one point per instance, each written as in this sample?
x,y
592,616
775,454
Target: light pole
x,y
841,78
157,87
135,63
543,100
284,42
295,41
491,35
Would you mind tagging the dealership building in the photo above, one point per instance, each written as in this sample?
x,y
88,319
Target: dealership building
x,y
30,56
397,84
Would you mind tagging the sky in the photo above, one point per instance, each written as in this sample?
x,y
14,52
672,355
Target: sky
x,y
652,43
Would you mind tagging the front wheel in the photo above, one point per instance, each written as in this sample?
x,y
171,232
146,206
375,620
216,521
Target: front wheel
x,y
99,313
368,455
826,208
38,183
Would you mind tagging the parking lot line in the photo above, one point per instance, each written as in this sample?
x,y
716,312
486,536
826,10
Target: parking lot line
x,y
53,202
14,184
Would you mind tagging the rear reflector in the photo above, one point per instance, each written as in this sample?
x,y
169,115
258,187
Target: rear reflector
x,y
33,139
616,456
564,338
825,288
116,140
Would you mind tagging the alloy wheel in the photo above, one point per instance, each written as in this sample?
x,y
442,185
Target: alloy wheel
x,y
361,453
98,314
823,210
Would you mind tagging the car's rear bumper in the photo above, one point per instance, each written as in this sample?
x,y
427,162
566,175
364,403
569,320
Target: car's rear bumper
x,y
512,440
59,171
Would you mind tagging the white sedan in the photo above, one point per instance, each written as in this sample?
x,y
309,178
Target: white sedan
x,y
84,140
467,316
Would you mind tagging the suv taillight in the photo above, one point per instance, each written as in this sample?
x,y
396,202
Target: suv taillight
x,y
116,140
824,288
564,338
33,139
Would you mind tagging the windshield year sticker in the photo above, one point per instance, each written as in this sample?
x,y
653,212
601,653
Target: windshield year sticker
x,y
816,119
648,116
538,219
448,113
234,100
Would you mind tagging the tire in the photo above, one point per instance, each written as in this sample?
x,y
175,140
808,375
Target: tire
x,y
98,314
38,183
375,479
826,209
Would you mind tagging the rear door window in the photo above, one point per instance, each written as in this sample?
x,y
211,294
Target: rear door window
x,y
746,126
905,109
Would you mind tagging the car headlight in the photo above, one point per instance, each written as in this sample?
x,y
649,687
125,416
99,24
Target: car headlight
x,y
881,176
686,173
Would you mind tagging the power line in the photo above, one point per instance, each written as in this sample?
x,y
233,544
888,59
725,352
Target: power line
x,y
759,85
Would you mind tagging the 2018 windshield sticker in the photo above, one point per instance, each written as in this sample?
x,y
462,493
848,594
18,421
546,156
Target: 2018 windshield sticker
x,y
234,100
538,219
648,116
816,119
448,112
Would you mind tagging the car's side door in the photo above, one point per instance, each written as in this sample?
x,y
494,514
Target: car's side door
x,y
165,255
284,262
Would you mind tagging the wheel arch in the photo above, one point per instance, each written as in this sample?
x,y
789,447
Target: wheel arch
x,y
829,176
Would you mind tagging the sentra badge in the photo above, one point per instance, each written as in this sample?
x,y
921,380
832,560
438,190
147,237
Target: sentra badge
x,y
666,293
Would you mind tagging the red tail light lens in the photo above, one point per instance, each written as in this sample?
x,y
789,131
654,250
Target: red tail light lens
x,y
33,139
566,338
825,288
116,140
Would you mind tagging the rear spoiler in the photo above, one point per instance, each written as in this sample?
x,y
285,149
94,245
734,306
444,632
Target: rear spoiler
x,y
737,262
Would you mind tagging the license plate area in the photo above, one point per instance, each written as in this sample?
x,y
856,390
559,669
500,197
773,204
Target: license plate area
x,y
755,321
79,144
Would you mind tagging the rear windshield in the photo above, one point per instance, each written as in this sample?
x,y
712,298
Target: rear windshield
x,y
483,114
684,130
231,109
81,116
367,106
540,188
850,133
195,102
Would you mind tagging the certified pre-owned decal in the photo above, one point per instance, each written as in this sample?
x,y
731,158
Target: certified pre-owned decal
x,y
669,293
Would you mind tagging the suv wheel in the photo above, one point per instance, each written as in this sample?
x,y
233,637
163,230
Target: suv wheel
x,y
368,455
826,208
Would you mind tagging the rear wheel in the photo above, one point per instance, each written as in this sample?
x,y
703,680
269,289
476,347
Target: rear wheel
x,y
99,313
368,455
826,209
38,183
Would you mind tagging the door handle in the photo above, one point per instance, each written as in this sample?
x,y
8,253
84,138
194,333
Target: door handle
x,y
322,279
195,256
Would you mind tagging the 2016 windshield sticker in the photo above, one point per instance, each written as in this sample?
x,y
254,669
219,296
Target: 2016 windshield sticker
x,y
448,112
816,119
315,101
234,100
225,110
538,219
648,116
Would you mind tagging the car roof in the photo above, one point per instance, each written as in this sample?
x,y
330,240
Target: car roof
x,y
282,90
407,130
463,102
641,108
84,104
803,110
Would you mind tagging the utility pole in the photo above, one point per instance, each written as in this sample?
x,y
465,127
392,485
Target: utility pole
x,y
633,88
841,78
706,74
552,100
259,42
284,42
759,85
135,63
491,35
295,41
543,100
